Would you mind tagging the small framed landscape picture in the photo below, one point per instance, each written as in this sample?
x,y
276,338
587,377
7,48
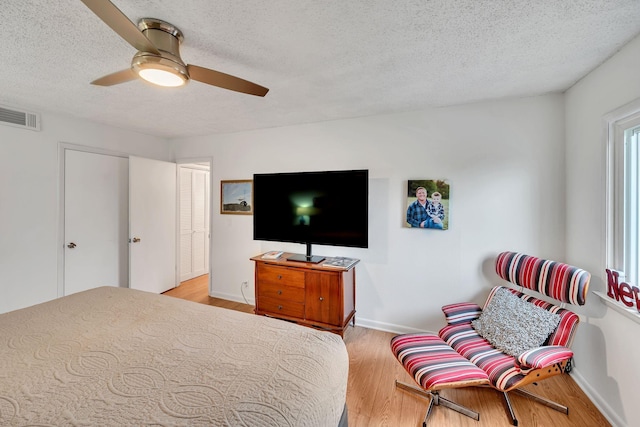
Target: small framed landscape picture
x,y
427,204
236,197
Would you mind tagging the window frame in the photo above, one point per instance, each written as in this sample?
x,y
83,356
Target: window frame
x,y
617,257
617,192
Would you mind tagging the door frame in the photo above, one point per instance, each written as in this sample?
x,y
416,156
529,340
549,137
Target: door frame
x,y
62,148
188,160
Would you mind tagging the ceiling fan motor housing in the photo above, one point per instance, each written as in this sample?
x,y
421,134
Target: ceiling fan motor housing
x,y
166,38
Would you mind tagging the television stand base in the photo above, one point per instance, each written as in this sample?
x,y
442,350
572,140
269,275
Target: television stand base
x,y
304,258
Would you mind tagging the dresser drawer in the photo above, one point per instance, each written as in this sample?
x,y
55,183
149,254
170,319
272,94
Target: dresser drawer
x,y
285,308
281,292
268,274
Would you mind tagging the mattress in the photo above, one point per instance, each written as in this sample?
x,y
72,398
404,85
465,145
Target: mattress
x,y
117,357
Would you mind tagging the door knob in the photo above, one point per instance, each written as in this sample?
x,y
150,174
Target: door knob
x,y
71,245
136,239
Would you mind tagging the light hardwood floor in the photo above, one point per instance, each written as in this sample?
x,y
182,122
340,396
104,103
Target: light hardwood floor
x,y
373,400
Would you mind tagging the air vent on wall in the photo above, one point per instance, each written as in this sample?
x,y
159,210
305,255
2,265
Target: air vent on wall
x,y
11,116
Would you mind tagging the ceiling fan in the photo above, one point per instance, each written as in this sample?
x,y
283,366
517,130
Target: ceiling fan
x,y
158,59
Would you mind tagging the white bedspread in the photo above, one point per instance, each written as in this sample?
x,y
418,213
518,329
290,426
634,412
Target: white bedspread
x,y
116,357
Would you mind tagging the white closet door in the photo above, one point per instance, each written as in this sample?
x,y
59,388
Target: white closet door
x,y
194,223
200,221
186,238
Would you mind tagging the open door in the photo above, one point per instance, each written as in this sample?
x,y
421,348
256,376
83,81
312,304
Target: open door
x,y
152,225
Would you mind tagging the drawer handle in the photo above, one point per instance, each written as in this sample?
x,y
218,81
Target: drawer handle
x,y
279,292
279,276
279,307
321,299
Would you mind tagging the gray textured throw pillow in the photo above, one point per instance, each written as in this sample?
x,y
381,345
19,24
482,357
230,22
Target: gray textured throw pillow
x,y
513,325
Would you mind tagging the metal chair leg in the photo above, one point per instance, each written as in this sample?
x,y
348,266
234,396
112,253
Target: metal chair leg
x,y
512,414
456,407
426,416
550,403
436,400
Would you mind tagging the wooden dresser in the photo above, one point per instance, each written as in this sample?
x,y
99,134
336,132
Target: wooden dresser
x,y
308,294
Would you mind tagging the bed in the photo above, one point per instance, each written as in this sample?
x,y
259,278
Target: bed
x,y
115,357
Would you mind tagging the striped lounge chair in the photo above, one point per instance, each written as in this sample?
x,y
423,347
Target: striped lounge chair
x,y
459,356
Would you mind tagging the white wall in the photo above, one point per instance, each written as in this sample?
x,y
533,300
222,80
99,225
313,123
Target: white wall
x,y
505,164
607,344
29,199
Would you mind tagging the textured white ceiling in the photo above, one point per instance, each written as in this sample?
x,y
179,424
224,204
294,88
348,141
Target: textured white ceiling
x,y
321,60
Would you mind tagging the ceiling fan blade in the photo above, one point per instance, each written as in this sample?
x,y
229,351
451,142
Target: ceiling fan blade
x,y
116,78
225,81
118,21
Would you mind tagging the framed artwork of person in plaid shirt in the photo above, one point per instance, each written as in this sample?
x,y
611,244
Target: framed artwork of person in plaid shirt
x,y
428,204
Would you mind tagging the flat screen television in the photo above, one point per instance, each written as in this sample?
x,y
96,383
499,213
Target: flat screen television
x,y
325,208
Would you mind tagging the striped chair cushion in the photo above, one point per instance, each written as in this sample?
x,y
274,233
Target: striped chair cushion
x,y
559,281
500,367
433,364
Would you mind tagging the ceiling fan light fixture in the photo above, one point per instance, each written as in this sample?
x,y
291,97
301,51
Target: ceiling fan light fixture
x,y
160,71
161,77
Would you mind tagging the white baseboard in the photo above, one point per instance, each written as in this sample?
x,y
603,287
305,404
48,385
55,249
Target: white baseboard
x,y
387,327
232,297
597,399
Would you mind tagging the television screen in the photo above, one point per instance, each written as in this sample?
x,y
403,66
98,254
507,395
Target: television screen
x,y
327,208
